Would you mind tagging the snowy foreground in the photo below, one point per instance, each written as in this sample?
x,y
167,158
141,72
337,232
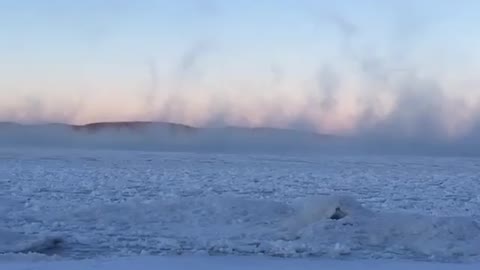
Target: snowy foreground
x,y
83,209
231,263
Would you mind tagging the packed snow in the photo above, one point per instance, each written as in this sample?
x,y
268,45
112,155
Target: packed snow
x,y
97,205
230,263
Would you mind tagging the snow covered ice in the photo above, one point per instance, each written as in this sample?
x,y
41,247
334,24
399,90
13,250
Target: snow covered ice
x,y
70,205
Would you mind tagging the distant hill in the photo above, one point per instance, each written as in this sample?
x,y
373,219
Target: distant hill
x,y
160,136
134,126
164,136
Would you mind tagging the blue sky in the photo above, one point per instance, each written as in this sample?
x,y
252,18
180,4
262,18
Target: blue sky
x,y
278,63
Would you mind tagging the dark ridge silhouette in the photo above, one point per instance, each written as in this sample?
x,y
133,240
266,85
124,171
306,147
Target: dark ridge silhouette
x,y
134,126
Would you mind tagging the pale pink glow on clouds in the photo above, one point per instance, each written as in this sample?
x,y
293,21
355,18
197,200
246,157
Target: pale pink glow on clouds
x,y
199,107
240,103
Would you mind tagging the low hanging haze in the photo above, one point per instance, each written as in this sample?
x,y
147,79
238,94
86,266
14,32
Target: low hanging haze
x,y
405,68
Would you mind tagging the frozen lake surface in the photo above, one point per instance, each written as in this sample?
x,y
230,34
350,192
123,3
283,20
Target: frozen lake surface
x,y
104,204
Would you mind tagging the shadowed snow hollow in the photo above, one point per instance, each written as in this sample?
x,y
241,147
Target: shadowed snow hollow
x,y
14,242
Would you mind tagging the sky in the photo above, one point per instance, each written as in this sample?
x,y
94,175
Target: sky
x,y
395,68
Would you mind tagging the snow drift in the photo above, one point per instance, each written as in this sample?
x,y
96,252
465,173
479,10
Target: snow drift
x,y
323,226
